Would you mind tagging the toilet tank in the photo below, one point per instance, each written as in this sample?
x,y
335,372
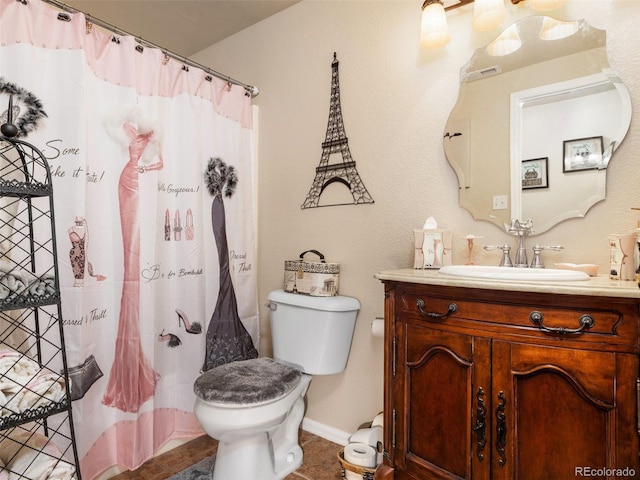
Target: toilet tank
x,y
312,334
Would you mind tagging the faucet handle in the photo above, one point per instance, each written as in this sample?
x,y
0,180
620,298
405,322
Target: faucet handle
x,y
537,254
506,257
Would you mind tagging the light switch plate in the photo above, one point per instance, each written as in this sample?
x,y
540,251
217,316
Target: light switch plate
x,y
499,202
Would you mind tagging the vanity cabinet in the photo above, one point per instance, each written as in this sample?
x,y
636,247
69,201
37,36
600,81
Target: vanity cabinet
x,y
493,384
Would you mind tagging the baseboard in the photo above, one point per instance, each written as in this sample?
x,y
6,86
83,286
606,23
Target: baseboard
x,y
325,431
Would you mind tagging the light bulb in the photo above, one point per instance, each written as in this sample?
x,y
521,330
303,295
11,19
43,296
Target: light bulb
x,y
434,32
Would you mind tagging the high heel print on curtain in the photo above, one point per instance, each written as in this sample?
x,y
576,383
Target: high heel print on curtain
x,y
170,339
79,238
194,327
132,380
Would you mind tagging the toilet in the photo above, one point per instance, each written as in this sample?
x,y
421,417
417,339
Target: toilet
x,y
254,407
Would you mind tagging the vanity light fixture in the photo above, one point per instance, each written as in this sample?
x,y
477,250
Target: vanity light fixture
x,y
487,15
434,32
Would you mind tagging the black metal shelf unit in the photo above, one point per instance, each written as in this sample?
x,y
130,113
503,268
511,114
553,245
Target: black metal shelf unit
x,y
37,438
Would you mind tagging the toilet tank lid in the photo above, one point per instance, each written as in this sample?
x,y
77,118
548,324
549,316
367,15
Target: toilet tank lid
x,y
337,303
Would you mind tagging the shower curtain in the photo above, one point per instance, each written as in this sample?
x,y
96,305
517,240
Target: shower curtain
x,y
128,134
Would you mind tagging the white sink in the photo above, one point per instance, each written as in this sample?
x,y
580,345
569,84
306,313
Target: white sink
x,y
514,273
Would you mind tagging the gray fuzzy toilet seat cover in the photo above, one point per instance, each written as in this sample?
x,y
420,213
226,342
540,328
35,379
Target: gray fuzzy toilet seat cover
x,y
246,382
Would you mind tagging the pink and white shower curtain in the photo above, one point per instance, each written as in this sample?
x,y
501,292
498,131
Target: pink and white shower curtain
x,y
129,135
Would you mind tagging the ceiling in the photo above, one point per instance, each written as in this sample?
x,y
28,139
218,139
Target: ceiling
x,y
183,27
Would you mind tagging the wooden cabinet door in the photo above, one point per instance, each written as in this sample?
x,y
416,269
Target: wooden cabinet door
x,y
564,411
437,373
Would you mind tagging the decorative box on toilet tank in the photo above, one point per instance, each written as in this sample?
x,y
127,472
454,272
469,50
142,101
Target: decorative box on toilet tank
x,y
318,279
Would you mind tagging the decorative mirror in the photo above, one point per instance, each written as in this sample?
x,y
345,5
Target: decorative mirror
x,y
539,114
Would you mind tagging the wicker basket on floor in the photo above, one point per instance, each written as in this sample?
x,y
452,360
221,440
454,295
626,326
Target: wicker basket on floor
x,y
364,472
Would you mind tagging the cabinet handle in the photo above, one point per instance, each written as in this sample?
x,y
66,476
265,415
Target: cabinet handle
x,y
501,429
393,429
452,308
638,403
394,356
481,424
537,318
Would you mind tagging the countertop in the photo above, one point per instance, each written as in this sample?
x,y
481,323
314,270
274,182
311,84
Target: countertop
x,y
601,285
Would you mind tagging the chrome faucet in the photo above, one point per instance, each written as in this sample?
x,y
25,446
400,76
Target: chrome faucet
x,y
521,230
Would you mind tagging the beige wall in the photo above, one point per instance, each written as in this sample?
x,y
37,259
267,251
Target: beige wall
x,y
395,102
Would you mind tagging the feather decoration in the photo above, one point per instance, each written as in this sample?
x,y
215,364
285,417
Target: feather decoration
x,y
28,104
220,177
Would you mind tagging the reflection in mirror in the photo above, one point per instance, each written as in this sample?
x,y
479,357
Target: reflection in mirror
x,y
568,111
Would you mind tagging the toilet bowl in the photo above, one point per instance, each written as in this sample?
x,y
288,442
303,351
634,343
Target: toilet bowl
x,y
254,407
258,437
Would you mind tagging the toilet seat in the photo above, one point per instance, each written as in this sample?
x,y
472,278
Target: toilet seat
x,y
246,383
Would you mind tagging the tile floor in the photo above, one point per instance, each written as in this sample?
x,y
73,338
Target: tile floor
x,y
320,460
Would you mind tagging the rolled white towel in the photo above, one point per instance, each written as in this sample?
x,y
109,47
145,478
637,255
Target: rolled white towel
x,y
11,359
34,456
46,387
32,464
62,471
42,286
12,284
16,370
16,281
11,269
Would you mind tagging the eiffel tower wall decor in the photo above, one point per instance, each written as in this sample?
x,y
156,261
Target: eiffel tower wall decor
x,y
336,142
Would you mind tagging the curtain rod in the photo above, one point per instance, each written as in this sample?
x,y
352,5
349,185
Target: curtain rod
x,y
252,90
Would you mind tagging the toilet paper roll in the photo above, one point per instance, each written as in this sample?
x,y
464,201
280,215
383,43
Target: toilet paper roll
x,y
349,475
377,327
368,436
378,421
360,454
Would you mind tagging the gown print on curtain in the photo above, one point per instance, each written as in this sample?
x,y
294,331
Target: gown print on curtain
x,y
132,379
227,338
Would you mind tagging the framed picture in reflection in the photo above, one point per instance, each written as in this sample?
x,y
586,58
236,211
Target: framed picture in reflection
x,y
534,173
582,154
